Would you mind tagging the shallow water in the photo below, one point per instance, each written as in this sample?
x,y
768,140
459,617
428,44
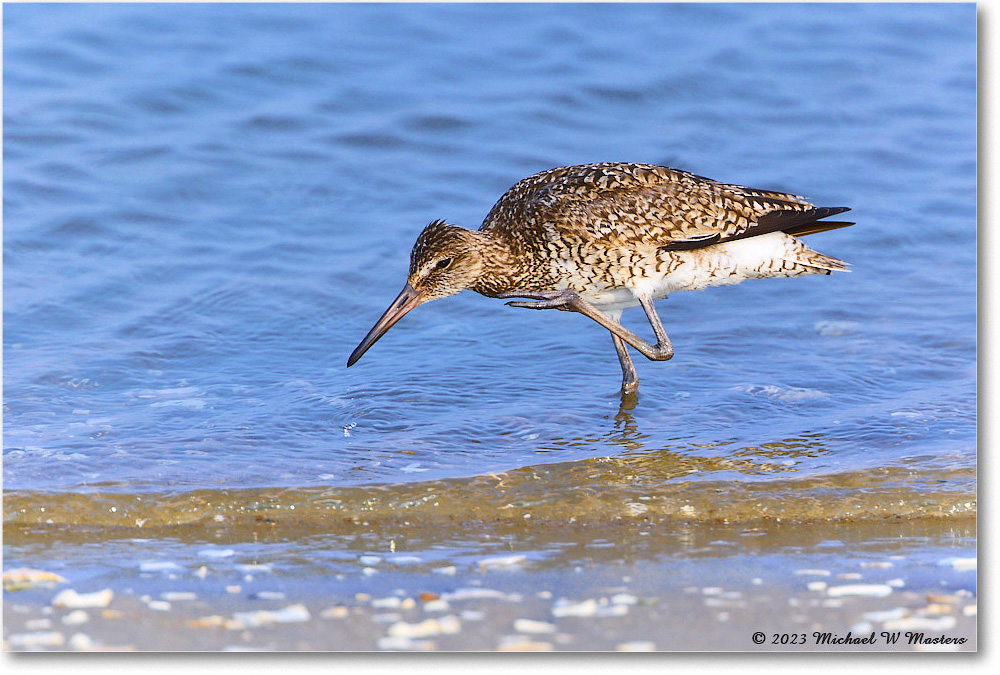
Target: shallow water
x,y
206,207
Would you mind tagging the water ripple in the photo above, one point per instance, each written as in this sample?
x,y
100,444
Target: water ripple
x,y
207,207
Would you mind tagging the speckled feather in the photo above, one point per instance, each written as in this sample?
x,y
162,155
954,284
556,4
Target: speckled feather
x,y
599,227
630,205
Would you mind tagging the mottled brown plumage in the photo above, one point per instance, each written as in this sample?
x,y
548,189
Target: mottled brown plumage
x,y
598,238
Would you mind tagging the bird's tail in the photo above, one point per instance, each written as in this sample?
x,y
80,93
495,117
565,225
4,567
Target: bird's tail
x,y
815,262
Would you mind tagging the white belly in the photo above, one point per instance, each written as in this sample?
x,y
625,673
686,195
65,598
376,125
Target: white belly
x,y
663,273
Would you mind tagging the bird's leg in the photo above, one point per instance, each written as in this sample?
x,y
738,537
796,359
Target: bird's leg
x,y
563,300
664,349
630,380
571,301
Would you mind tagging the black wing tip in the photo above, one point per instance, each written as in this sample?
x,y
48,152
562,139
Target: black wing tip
x,y
825,211
802,215
795,222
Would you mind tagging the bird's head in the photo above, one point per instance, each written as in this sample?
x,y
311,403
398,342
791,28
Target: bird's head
x,y
444,261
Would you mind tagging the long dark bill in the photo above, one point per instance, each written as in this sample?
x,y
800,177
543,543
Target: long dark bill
x,y
404,302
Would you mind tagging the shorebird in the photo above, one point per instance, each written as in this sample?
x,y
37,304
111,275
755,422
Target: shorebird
x,y
599,238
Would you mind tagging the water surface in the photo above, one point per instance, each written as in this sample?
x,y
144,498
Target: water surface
x,y
206,207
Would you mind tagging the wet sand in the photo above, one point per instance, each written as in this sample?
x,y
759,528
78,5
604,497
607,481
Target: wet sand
x,y
639,586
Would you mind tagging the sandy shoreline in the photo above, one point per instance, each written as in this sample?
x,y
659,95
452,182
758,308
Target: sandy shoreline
x,y
851,593
499,623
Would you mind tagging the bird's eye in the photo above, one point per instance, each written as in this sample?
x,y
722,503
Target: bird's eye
x,y
444,262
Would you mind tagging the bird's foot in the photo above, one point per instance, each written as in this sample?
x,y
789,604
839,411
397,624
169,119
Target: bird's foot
x,y
543,299
541,304
630,387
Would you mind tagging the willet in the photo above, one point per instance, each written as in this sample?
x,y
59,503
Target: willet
x,y
599,238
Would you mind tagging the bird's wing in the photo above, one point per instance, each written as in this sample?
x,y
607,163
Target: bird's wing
x,y
642,205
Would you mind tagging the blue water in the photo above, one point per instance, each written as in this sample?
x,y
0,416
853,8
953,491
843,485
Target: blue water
x,y
207,206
